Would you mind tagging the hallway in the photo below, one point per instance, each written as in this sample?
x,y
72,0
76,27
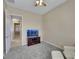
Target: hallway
x,y
16,33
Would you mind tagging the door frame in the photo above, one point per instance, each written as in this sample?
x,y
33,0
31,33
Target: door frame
x,y
21,18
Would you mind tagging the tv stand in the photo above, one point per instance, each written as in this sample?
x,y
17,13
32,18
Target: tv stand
x,y
33,40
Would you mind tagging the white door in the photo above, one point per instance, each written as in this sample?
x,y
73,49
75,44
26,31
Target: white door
x,y
8,33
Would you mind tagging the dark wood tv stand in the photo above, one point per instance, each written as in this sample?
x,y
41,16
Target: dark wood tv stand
x,y
33,40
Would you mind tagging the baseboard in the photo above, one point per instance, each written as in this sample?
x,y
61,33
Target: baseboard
x,y
54,45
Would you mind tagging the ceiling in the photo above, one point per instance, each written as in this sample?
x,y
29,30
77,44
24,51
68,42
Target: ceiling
x,y
28,5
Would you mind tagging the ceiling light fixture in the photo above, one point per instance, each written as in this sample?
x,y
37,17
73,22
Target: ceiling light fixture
x,y
40,3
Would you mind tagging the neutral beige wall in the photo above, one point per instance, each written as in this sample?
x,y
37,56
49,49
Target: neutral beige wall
x,y
59,24
29,20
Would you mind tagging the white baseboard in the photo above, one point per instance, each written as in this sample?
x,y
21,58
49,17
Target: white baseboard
x,y
54,45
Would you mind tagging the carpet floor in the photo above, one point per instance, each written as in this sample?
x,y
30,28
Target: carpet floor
x,y
38,51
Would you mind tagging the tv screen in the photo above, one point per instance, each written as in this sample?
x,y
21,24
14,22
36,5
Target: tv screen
x,y
32,33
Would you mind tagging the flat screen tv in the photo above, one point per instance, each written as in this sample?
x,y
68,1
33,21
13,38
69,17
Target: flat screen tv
x,y
31,33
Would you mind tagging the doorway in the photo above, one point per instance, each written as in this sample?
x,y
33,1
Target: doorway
x,y
16,31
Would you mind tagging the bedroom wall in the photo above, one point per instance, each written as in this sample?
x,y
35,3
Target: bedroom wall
x,y
29,20
59,25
